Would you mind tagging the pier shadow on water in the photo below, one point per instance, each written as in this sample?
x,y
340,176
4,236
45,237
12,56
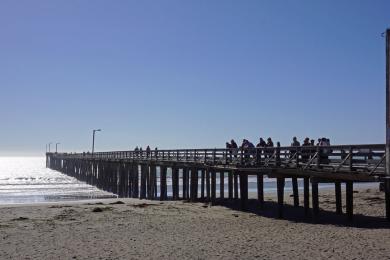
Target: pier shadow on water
x,y
297,214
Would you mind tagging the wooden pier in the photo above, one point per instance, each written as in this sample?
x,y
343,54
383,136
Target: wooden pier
x,y
193,173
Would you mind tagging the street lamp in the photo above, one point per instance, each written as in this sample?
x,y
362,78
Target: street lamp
x,y
56,146
93,138
49,147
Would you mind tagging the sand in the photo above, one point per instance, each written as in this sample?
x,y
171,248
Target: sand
x,y
182,230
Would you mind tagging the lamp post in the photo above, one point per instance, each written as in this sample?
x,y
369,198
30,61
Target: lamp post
x,y
387,167
56,146
93,139
49,147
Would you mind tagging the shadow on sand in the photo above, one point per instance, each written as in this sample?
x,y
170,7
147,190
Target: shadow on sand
x,y
297,214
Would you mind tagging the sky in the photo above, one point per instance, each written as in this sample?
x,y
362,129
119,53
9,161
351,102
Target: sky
x,y
189,74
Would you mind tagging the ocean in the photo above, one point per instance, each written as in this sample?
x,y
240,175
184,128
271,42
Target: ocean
x,y
27,180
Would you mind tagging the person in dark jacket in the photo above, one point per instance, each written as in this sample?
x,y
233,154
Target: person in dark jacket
x,y
306,152
269,145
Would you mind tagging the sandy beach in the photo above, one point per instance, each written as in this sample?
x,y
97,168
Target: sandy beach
x,y
135,229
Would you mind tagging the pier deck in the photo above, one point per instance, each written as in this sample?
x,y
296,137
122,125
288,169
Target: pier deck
x,y
134,173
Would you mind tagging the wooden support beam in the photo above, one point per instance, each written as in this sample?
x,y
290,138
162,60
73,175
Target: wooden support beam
x,y
208,195
202,183
155,192
213,186
339,208
143,182
194,184
235,185
136,183
163,183
295,191
243,189
230,185
280,181
306,195
387,198
315,202
188,183
175,183
349,199
184,183
148,182
260,189
152,173
222,184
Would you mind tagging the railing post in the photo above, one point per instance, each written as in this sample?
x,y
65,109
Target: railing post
x,y
277,157
318,163
214,156
351,158
242,156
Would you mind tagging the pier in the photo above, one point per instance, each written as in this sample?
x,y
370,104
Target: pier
x,y
193,173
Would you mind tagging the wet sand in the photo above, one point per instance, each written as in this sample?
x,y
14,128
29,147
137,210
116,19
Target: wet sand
x,y
181,230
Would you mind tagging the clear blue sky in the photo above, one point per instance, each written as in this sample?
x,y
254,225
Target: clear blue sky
x,y
178,74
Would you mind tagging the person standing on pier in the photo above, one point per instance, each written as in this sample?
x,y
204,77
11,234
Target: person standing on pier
x,y
261,143
234,148
233,144
270,144
306,152
148,151
295,143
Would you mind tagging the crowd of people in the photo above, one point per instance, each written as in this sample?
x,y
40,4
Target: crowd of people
x,y
306,152
139,151
263,144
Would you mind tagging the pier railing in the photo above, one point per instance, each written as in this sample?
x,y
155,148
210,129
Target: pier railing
x,y
367,158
